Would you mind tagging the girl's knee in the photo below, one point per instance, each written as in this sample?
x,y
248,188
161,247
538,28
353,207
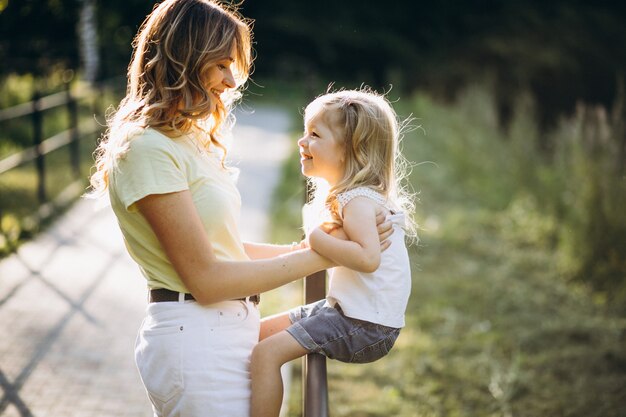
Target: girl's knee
x,y
274,324
262,354
276,351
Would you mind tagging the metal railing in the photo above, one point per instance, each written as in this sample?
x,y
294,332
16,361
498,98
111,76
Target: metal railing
x,y
43,146
314,379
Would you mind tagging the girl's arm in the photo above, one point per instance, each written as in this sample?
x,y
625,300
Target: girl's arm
x,y
362,251
266,250
176,224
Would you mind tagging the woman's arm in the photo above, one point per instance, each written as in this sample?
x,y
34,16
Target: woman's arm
x,y
362,251
176,224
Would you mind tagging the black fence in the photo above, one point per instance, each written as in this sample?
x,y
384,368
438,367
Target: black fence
x,y
71,138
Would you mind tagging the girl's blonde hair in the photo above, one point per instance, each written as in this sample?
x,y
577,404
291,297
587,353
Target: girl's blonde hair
x,y
173,51
371,133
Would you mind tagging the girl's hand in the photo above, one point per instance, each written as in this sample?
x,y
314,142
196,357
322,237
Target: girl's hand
x,y
338,233
303,244
329,227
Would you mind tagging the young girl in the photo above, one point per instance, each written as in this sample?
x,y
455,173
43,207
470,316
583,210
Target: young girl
x,y
351,142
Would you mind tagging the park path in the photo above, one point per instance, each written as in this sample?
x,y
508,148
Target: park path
x,y
71,300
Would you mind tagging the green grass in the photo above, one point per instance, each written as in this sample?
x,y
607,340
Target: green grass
x,y
491,331
494,326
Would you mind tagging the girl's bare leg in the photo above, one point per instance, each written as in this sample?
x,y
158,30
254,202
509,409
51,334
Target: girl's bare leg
x,y
274,324
267,384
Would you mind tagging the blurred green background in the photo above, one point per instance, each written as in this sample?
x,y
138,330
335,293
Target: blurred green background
x,y
519,152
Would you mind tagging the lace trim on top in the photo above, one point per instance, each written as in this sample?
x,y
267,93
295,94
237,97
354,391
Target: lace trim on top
x,y
345,197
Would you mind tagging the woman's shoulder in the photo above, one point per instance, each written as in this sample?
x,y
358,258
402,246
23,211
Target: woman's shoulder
x,y
149,142
148,138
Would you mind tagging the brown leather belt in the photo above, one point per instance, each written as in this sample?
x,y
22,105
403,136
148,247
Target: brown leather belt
x,y
163,294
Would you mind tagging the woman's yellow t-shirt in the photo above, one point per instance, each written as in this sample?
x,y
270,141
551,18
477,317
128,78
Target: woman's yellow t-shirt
x,y
157,164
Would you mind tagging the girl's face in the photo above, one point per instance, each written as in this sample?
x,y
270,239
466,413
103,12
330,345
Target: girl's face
x,y
322,150
219,78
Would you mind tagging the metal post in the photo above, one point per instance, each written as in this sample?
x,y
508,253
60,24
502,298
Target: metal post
x,y
315,387
314,377
37,139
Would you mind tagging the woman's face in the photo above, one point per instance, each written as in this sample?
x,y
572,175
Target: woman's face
x,y
220,78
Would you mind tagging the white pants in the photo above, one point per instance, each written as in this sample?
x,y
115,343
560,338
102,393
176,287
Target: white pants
x,y
194,361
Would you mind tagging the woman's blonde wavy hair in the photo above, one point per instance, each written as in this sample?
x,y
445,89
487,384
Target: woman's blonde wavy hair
x,y
175,47
371,133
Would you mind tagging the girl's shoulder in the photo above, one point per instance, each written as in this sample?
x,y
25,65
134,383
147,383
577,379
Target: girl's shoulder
x,y
345,197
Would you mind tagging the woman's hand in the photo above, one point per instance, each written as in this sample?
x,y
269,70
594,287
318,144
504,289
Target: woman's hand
x,y
384,229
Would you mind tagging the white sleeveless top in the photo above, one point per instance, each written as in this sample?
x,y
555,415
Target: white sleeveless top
x,y
381,296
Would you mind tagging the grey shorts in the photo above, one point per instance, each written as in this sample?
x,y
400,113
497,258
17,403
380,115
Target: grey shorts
x,y
320,328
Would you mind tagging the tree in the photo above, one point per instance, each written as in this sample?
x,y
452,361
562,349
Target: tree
x,y
89,40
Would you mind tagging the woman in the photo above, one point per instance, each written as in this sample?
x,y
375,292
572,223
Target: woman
x,y
162,163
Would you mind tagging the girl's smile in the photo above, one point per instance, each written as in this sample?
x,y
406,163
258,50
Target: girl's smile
x,y
321,151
